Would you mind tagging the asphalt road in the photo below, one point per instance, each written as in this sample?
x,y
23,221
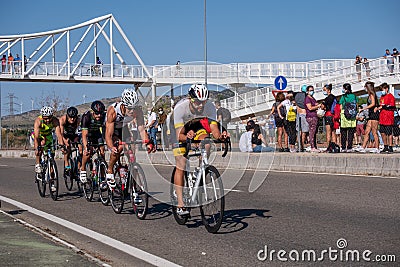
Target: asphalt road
x,y
293,212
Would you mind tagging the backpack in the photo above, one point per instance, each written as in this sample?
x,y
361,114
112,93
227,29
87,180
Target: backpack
x,y
291,114
350,110
333,106
226,115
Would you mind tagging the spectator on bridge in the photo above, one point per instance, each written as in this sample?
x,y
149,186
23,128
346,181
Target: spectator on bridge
x,y
389,60
25,62
282,147
367,68
372,116
348,104
17,64
289,120
311,108
387,107
396,56
358,64
302,127
329,105
10,63
258,142
3,64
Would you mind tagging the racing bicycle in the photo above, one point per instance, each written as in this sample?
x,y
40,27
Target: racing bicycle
x,y
49,174
72,174
130,181
203,187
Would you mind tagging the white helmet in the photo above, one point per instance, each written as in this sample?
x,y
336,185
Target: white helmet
x,y
129,98
198,91
46,111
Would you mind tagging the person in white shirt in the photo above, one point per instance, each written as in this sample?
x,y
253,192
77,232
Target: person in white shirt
x,y
152,125
245,139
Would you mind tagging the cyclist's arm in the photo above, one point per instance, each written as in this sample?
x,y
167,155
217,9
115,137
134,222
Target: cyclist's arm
x,y
36,132
111,116
140,124
56,124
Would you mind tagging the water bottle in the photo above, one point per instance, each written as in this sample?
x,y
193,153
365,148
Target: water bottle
x,y
122,174
131,156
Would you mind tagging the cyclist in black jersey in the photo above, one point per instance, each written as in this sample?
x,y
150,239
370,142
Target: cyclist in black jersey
x,y
92,124
69,124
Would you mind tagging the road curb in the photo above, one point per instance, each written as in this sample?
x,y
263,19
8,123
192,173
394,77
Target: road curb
x,y
361,164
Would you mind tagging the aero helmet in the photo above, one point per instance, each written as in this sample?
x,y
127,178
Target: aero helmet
x,y
129,98
198,91
98,107
72,112
46,111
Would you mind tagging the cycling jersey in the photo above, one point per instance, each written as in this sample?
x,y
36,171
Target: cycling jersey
x,y
45,129
182,113
119,120
70,129
94,127
183,117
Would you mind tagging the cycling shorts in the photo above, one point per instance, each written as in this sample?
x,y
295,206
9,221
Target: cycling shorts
x,y
179,150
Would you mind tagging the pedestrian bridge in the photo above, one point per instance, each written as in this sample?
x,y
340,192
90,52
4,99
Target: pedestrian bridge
x,y
70,55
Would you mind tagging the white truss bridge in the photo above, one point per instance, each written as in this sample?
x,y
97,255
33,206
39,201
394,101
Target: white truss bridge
x,y
69,55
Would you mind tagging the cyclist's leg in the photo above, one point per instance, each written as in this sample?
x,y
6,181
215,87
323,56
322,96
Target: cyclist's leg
x,y
113,159
38,167
178,179
68,152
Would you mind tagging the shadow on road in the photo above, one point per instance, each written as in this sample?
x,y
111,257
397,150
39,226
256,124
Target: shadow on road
x,y
159,211
69,196
16,212
236,220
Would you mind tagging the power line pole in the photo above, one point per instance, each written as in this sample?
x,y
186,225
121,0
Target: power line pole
x,y
11,104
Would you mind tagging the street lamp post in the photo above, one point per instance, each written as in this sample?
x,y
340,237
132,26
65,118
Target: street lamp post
x,y
205,41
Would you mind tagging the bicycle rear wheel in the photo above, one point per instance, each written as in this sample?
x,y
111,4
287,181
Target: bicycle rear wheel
x,y
69,175
41,182
104,193
211,199
117,196
88,186
138,190
53,181
174,199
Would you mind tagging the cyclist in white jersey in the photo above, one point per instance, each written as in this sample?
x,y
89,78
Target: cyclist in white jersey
x,y
114,126
195,106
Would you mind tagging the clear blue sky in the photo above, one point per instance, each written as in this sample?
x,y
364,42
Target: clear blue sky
x,y
238,31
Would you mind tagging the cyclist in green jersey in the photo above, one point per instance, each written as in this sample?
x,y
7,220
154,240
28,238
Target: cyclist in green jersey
x,y
44,127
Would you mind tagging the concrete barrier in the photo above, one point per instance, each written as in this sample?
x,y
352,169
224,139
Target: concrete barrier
x,y
363,164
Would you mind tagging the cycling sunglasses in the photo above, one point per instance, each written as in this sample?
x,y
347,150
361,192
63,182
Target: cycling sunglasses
x,y
197,102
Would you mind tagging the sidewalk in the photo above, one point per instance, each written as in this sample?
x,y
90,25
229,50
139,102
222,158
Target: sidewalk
x,y
339,163
21,246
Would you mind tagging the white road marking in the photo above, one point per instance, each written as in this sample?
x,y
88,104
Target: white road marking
x,y
2,165
138,253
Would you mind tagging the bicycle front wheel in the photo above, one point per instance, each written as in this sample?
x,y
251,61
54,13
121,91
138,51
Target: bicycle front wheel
x,y
117,195
41,183
53,181
138,190
104,192
69,175
211,199
88,186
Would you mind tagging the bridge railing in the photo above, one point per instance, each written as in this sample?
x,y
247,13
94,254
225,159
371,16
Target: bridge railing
x,y
60,69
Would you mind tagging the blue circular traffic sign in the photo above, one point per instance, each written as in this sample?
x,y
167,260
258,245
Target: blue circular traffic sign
x,y
280,83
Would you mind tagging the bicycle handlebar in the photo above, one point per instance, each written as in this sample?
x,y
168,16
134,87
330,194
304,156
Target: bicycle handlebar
x,y
189,142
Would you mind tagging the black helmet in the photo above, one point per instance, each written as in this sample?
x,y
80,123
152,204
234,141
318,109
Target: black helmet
x,y
98,107
72,112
